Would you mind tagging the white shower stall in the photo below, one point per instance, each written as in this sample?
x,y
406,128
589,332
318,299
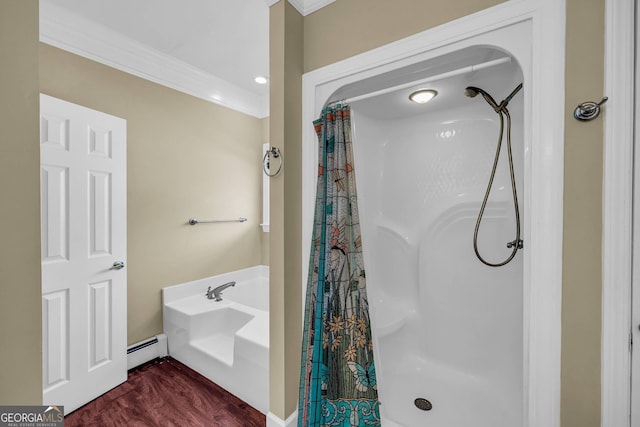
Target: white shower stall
x,y
457,342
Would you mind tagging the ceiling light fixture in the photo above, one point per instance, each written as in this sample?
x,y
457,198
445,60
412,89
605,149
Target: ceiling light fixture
x,y
261,80
422,96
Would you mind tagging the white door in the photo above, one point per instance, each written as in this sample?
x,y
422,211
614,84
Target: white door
x,y
84,283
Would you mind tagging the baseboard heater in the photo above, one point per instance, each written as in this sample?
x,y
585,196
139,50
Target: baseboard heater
x,y
147,350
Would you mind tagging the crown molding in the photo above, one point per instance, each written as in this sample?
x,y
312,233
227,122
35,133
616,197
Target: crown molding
x,y
305,7
80,36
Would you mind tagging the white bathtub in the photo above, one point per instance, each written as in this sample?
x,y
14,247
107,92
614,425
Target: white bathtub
x,y
226,341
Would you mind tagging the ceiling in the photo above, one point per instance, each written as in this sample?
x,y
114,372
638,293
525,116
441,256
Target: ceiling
x,y
212,49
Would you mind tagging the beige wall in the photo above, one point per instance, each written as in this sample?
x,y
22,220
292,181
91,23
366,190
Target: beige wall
x,y
20,313
348,27
185,158
582,268
285,268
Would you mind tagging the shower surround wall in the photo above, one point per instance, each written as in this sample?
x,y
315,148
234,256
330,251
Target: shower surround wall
x,y
446,327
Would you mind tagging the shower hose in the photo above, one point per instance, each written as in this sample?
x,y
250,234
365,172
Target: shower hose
x,y
502,111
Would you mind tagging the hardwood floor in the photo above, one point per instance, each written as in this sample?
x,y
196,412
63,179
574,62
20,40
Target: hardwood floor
x,y
166,393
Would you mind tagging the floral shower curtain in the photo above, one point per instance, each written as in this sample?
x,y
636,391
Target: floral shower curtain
x,y
337,381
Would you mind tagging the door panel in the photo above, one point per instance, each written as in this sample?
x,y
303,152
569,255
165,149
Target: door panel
x,y
55,334
83,214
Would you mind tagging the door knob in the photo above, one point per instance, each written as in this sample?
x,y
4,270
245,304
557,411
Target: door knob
x,y
117,265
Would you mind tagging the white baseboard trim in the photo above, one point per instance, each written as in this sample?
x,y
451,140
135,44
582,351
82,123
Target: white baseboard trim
x,y
147,350
275,421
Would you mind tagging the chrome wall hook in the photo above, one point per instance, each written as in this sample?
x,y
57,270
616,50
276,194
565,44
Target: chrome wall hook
x,y
588,110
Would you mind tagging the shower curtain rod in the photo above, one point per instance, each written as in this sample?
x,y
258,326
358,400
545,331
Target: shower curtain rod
x,y
459,71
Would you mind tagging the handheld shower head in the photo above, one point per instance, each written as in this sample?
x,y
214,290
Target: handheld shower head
x,y
503,113
472,92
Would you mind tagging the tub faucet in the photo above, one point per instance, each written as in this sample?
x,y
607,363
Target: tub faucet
x,y
216,293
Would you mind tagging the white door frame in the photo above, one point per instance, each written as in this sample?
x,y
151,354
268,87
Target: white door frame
x,y
543,259
617,213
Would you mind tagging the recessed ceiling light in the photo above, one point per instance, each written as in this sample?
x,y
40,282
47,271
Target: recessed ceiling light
x,y
422,96
261,80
